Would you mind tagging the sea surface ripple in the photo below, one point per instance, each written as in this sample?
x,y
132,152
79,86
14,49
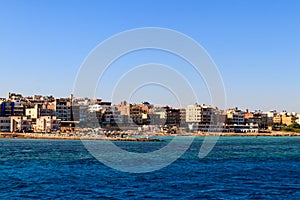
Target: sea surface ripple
x,y
237,168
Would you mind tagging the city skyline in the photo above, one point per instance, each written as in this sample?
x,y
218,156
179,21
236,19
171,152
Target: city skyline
x,y
43,46
46,113
144,101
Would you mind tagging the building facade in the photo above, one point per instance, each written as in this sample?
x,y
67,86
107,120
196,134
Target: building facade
x,y
47,124
4,124
20,124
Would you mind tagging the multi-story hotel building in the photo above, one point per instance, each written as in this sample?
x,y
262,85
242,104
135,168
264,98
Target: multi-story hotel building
x,y
193,113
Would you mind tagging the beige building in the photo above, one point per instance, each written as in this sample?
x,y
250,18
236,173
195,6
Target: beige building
x,y
47,123
285,118
20,124
193,113
124,108
203,114
277,119
288,119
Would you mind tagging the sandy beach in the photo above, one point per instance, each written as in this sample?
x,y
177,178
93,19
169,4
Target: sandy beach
x,y
71,137
143,139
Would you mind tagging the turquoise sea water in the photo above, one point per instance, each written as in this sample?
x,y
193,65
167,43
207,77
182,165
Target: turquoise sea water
x,y
237,168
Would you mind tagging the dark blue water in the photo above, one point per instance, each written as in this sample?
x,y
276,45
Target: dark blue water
x,y
237,168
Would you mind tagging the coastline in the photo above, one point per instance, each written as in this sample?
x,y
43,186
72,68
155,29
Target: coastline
x,y
271,134
8,135
4,135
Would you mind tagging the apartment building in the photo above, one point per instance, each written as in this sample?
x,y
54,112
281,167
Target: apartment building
x,y
4,124
9,108
193,113
47,123
139,114
172,117
208,115
235,117
80,113
62,108
288,119
204,117
124,108
182,117
20,124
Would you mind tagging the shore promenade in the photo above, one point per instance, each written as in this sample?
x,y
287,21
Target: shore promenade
x,y
141,138
72,137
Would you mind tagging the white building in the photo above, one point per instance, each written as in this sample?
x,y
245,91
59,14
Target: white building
x,y
40,110
298,120
94,108
161,112
32,112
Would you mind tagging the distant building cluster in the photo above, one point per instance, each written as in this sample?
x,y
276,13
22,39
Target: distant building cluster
x,y
48,114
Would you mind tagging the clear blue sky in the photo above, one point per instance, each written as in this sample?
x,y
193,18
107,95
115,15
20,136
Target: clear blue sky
x,y
255,44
